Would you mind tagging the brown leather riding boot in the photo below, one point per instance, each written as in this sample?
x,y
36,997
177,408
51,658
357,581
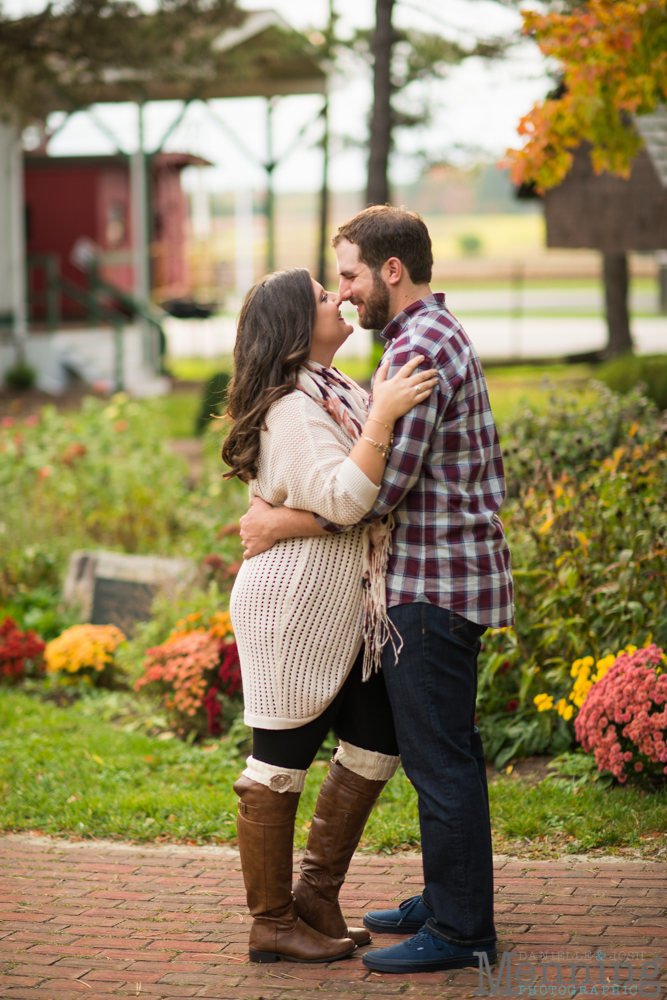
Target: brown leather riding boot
x,y
345,802
265,828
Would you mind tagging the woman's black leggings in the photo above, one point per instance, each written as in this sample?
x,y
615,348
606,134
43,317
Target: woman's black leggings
x,y
360,714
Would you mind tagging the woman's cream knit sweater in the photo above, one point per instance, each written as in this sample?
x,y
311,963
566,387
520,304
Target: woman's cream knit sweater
x,y
297,608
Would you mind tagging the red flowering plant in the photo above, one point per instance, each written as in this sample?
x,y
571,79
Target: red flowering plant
x,y
20,652
623,719
197,674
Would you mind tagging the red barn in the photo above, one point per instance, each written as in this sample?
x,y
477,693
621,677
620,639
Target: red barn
x,y
70,197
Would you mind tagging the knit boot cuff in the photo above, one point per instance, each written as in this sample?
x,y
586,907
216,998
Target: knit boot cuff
x,y
278,779
367,763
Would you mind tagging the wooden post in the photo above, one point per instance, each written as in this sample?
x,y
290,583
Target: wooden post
x,y
18,248
662,282
324,194
615,270
380,139
324,199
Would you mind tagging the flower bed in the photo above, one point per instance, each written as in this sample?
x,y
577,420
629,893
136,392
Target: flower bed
x,y
197,673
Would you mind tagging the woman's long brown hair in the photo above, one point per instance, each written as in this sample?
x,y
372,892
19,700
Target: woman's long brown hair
x,y
273,341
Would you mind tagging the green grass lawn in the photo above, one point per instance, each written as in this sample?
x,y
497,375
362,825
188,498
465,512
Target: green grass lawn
x,y
66,772
508,388
175,413
199,369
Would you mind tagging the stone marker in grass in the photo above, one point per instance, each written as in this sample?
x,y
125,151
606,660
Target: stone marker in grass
x,y
111,588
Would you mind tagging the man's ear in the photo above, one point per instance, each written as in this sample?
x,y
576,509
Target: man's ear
x,y
392,271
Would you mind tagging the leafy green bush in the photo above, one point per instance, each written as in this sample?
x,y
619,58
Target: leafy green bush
x,y
470,245
21,376
103,477
40,609
623,374
570,435
587,525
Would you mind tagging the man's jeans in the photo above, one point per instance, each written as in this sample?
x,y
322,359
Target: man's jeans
x,y
432,691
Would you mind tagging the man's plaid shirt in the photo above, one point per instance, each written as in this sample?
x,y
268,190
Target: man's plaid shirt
x,y
444,480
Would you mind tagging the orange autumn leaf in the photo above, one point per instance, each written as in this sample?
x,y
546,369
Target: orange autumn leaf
x,y
613,59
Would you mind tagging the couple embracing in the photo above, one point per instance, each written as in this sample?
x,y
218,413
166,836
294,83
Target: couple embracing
x,y
375,561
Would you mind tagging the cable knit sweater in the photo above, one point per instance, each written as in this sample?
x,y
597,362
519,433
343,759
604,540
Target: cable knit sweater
x,y
297,608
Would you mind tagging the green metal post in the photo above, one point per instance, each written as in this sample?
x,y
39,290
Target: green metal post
x,y
52,293
118,356
270,204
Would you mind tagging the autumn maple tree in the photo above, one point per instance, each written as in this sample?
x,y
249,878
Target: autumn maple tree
x,y
612,58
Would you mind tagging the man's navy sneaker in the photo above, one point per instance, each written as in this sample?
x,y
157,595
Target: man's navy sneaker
x,y
425,953
410,916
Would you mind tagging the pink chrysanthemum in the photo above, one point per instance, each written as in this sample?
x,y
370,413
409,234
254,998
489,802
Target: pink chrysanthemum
x,y
623,719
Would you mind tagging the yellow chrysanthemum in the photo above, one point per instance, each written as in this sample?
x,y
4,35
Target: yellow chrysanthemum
x,y
543,702
82,647
567,711
220,624
603,666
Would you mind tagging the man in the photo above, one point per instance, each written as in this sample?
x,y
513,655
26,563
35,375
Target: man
x,y
448,579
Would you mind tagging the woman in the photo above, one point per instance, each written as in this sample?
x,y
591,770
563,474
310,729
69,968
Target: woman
x,y
303,437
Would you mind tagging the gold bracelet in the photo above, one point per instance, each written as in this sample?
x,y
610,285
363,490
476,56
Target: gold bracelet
x,y
383,449
381,424
391,433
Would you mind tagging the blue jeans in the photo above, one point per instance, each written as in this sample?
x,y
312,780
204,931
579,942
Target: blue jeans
x,y
432,690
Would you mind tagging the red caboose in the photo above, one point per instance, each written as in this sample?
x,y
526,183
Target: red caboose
x,y
70,197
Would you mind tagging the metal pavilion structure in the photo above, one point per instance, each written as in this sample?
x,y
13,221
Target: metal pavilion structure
x,y
274,71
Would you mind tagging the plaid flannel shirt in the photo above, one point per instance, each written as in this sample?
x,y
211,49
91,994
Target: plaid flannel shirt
x,y
444,480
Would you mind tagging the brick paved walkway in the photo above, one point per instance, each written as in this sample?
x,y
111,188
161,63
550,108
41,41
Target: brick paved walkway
x,y
100,920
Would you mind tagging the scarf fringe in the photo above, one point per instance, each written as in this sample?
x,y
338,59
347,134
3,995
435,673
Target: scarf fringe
x,y
378,627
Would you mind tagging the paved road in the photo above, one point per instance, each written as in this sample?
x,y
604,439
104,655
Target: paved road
x,y
98,920
570,300
545,337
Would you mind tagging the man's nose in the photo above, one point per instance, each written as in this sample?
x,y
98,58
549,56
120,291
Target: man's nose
x,y
344,289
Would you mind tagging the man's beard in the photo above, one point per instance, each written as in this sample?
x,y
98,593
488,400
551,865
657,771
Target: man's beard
x,y
376,306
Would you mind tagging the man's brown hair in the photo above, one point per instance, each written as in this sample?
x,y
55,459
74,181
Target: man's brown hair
x,y
382,232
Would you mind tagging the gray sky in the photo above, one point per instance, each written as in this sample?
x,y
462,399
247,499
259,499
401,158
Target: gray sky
x,y
477,107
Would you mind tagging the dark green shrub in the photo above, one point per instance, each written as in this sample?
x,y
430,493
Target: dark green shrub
x,y
624,373
470,245
40,609
21,376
